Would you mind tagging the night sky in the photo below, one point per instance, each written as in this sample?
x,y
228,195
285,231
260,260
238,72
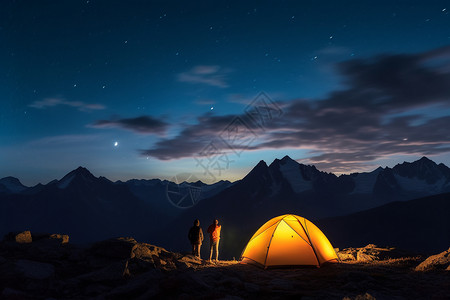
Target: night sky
x,y
151,89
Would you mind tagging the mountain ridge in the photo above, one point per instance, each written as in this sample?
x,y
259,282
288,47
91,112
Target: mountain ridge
x,y
307,170
80,202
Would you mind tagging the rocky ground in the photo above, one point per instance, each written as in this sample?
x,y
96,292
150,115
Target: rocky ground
x,y
44,266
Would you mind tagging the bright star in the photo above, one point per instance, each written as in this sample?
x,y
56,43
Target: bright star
x,y
116,144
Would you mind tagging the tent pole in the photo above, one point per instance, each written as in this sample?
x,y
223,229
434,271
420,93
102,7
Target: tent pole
x,y
310,242
268,246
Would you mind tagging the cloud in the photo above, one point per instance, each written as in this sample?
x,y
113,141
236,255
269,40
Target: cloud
x,y
392,105
209,75
52,102
142,124
191,140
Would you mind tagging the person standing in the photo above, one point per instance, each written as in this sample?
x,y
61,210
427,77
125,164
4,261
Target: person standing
x,y
214,238
195,236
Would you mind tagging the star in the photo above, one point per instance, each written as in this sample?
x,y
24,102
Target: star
x,y
212,107
116,144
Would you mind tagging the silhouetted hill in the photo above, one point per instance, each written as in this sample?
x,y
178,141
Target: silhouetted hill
x,y
80,204
89,208
421,225
11,185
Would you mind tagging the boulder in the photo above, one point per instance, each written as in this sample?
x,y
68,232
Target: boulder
x,y
190,260
64,238
56,237
111,274
138,286
138,266
143,251
117,248
347,254
35,270
23,237
372,252
366,296
439,261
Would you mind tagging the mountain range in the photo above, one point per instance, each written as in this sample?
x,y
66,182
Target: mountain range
x,y
91,208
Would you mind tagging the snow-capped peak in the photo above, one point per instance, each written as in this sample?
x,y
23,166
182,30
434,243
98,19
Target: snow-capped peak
x,y
290,169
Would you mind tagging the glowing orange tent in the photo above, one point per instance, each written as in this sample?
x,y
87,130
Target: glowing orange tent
x,y
288,240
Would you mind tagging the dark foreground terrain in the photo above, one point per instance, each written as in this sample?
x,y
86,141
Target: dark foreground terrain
x,y
43,266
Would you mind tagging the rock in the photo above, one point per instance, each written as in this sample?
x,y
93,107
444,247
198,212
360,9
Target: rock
x,y
181,265
191,260
61,238
120,248
35,270
138,286
368,253
159,251
138,266
348,254
366,257
111,274
372,253
366,296
436,262
143,251
19,237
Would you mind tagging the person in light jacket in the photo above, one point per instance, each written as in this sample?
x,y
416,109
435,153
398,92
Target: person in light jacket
x,y
214,238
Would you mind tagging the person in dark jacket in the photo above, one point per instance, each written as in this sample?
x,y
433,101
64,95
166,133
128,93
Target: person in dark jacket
x,y
196,238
